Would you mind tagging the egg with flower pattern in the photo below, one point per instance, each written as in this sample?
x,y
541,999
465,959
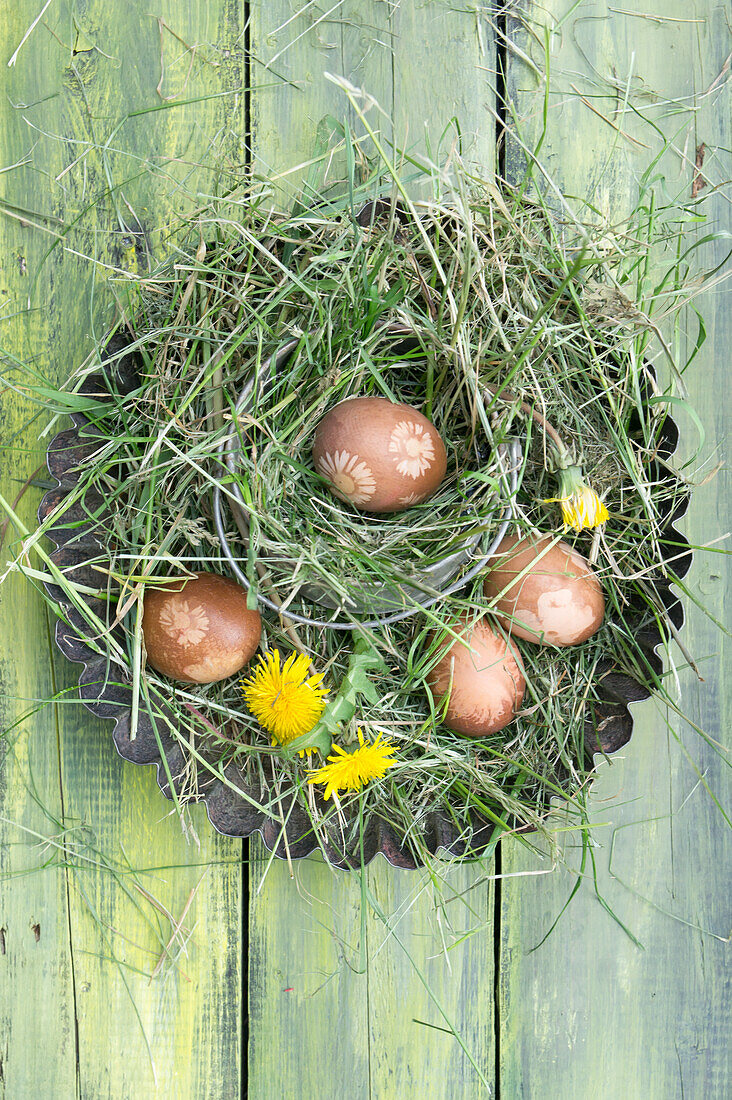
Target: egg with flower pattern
x,y
199,630
377,455
478,678
544,591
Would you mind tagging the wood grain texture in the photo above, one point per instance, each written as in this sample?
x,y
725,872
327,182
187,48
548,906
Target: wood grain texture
x,y
431,969
444,81
308,987
589,1013
332,1002
330,971
422,64
35,946
103,185
425,64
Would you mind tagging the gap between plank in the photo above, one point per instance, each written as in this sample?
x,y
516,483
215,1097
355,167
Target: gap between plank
x,y
248,70
246,844
501,132
497,899
501,110
246,856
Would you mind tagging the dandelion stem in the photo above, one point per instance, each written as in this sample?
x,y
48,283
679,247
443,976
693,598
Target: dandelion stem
x,y
553,434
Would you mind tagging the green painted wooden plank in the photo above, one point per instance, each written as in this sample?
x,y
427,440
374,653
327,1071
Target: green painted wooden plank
x,y
308,989
442,930
423,64
318,974
588,1013
445,80
79,73
293,47
35,953
305,935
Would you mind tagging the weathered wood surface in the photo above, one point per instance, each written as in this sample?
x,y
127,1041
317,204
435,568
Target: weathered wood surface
x,y
73,1022
589,1013
336,1008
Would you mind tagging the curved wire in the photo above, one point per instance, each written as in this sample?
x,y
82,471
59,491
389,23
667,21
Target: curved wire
x,y
228,450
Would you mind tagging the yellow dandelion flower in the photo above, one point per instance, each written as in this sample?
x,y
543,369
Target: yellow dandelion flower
x,y
350,771
583,509
581,506
284,698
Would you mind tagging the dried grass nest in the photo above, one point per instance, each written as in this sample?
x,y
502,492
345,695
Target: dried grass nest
x,y
494,295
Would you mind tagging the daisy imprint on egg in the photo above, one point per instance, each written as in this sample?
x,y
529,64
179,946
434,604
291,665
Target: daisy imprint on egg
x,y
413,449
351,478
185,624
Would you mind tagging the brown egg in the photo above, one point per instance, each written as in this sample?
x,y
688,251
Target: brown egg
x,y
199,630
487,679
379,456
558,600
